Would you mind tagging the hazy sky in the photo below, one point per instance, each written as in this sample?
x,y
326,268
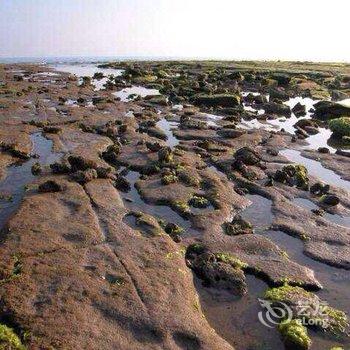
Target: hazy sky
x,y
246,29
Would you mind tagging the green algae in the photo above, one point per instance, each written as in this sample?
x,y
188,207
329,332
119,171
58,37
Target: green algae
x,y
294,335
9,340
232,260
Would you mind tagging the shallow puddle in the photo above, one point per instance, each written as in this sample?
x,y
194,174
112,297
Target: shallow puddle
x,y
167,127
211,119
286,123
88,70
19,175
316,169
335,281
320,140
236,318
335,218
134,202
135,90
259,213
256,124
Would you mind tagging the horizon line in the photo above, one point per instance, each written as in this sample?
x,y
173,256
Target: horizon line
x,y
155,57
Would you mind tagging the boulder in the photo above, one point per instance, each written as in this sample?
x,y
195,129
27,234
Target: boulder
x,y
223,100
278,94
330,109
299,110
216,270
340,127
277,108
247,155
165,155
324,150
293,175
330,199
231,133
319,188
50,186
84,176
238,226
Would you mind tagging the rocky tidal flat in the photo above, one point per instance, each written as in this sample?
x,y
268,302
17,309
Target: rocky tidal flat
x,y
150,205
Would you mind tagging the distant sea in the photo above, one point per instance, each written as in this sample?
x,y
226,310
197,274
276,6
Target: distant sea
x,y
77,59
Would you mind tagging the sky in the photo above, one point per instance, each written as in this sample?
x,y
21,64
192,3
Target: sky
x,y
316,30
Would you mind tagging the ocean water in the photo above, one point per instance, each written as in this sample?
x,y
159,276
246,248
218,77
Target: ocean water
x,y
86,59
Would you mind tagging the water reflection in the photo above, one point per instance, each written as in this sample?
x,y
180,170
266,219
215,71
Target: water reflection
x,y
130,93
316,169
19,175
88,70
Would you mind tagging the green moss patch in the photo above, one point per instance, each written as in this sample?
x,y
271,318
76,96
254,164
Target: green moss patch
x,y
199,202
294,335
340,126
169,179
310,307
232,260
9,340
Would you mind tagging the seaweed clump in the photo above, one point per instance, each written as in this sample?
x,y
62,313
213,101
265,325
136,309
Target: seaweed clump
x,y
294,335
9,340
293,175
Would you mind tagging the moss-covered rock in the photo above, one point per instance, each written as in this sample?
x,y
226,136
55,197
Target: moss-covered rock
x,y
293,175
315,311
199,202
169,179
174,231
232,260
111,154
330,199
219,271
50,186
189,178
36,168
9,340
238,226
147,223
223,100
277,108
247,155
84,176
340,127
165,155
157,99
294,335
330,109
182,208
145,79
122,184
80,163
52,129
